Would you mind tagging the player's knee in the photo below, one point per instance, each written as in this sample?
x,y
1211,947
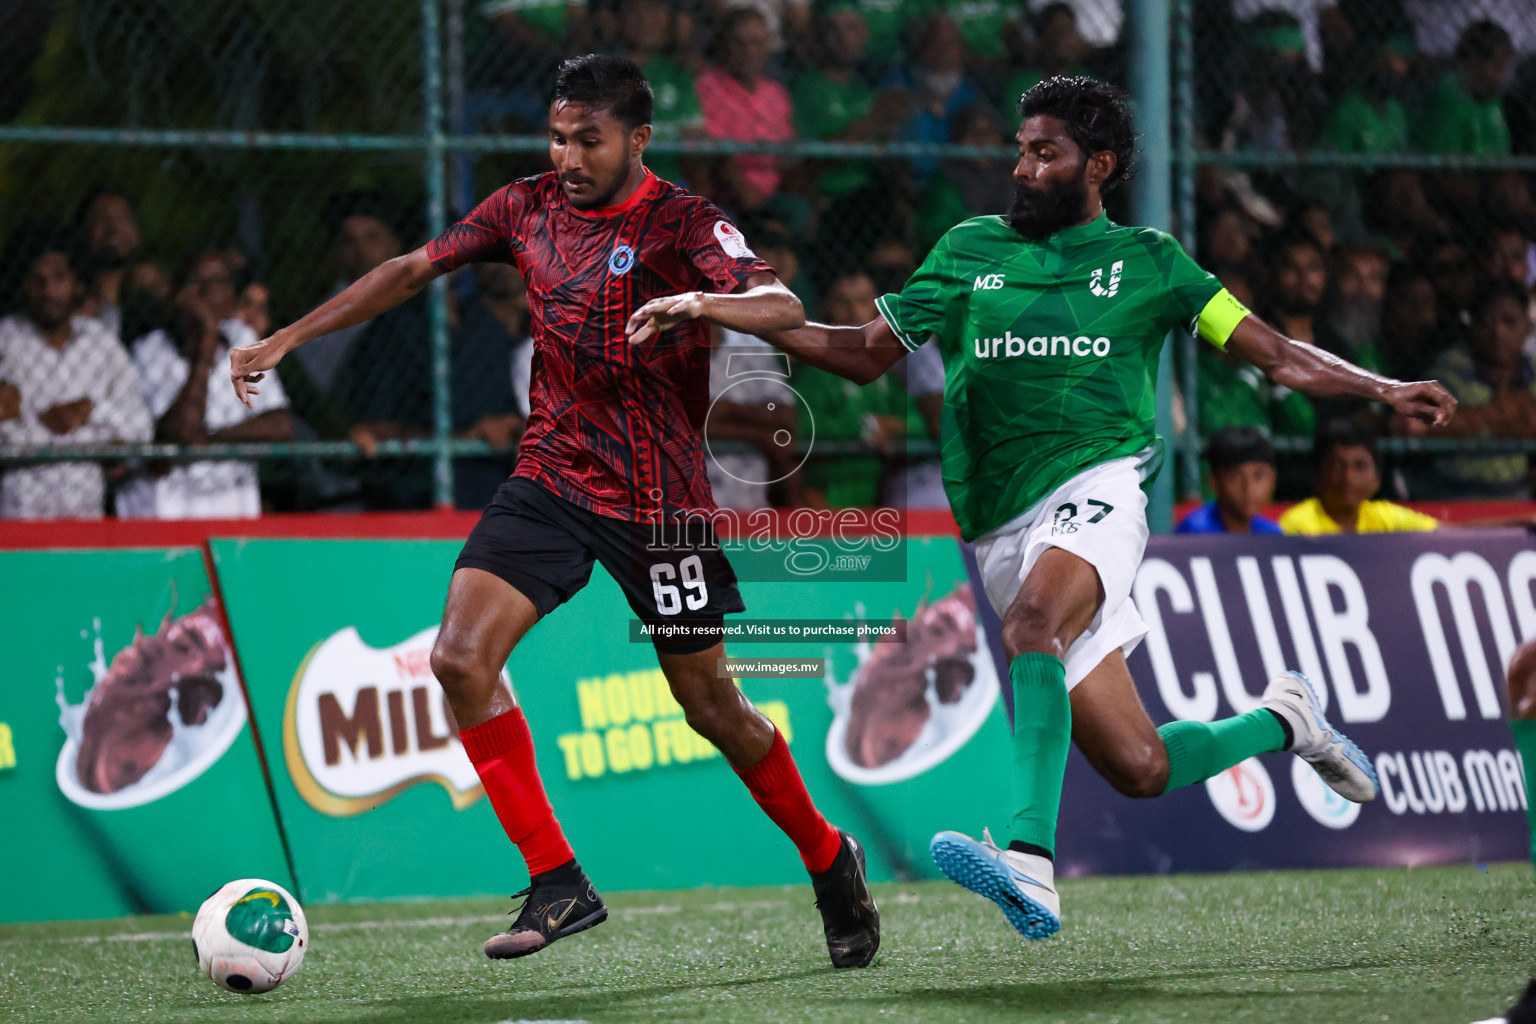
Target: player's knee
x,y
714,713
1031,627
1522,682
456,665
1139,773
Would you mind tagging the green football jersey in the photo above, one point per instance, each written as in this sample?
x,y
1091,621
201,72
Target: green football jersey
x,y
1050,352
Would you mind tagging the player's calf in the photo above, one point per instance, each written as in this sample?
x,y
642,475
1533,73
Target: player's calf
x,y
715,708
1140,772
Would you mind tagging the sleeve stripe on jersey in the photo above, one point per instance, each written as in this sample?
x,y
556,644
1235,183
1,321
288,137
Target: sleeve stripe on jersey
x,y
901,335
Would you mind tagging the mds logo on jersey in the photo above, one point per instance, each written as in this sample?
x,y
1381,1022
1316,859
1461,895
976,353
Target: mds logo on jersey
x,y
1011,344
988,283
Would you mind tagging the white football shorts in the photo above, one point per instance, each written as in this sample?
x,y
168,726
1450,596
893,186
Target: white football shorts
x,y
1100,515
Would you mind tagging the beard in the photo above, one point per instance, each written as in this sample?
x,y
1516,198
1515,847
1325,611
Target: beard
x,y
1038,213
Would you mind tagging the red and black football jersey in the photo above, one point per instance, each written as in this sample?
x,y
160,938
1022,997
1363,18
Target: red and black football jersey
x,y
612,427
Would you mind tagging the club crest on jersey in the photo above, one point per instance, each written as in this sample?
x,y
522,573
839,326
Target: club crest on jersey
x,y
621,260
1095,282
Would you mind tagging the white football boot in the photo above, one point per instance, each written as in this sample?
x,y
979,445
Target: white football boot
x,y
1021,884
1331,754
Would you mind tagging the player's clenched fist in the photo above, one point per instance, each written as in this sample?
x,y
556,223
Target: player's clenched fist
x,y
1423,400
247,366
662,313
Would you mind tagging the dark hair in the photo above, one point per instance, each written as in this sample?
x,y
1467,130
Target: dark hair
x,y
374,203
976,110
1097,116
600,81
1048,12
1291,236
1343,433
1493,291
27,244
95,194
1481,40
1236,445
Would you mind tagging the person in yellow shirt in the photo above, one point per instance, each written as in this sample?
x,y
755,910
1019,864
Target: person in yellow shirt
x,y
1348,470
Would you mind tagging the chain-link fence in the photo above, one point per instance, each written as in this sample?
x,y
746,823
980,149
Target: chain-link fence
x,y
1360,173
184,177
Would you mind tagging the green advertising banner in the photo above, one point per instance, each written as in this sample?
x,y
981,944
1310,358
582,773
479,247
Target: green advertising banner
x,y
379,801
129,779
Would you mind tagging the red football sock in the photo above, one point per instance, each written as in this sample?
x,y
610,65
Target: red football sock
x,y
502,752
776,785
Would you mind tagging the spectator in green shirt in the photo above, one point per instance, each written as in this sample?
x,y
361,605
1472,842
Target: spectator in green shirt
x,y
983,24
1495,382
538,34
882,27
833,100
844,413
964,187
1465,113
1370,117
1234,393
645,30
1059,49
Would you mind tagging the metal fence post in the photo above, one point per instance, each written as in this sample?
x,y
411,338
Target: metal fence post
x,y
1184,191
437,220
1147,24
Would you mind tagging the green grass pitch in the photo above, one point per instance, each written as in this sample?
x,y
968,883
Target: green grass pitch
x,y
1447,945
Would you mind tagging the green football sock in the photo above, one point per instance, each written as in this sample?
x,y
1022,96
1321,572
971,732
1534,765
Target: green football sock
x,y
1042,732
1199,750
1525,742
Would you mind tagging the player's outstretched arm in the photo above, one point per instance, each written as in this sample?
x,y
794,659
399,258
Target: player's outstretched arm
x,y
381,289
1308,369
861,354
760,304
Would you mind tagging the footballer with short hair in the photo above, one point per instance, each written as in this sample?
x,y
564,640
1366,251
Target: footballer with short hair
x,y
612,443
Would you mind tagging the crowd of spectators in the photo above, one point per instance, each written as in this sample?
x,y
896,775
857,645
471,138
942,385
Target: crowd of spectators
x,y
1410,272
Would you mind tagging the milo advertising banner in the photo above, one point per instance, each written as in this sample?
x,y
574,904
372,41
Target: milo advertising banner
x,y
1406,638
379,800
129,778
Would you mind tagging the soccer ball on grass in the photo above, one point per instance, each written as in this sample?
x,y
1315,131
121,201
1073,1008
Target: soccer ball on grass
x,y
250,936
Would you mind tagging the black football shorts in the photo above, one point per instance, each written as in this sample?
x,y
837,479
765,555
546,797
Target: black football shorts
x,y
545,546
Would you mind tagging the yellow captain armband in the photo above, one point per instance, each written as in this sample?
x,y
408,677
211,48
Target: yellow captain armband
x,y
1220,318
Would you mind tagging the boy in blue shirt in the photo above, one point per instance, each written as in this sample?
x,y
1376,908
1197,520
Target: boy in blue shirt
x,y
1242,465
